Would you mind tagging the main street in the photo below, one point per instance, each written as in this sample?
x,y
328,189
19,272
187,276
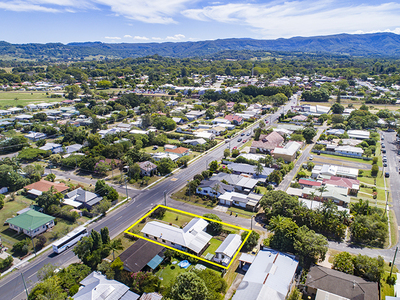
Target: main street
x,y
12,287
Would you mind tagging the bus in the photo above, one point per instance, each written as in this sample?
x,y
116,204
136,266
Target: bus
x,y
69,240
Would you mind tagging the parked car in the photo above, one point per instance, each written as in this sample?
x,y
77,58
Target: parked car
x,y
383,146
242,134
311,157
385,164
244,141
248,133
383,151
239,140
387,174
155,147
234,148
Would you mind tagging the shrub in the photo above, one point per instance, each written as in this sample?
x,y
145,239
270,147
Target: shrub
x,y
6,263
374,170
374,160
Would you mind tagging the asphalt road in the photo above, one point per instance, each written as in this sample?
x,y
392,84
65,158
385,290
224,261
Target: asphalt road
x,y
11,287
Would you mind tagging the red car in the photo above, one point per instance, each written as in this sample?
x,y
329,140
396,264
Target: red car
x,y
234,148
244,141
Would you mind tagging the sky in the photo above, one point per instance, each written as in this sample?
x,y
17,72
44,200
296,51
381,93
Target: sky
x,y
146,21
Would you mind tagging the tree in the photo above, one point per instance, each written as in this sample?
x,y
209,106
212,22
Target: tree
x,y
214,227
46,271
2,197
102,167
105,235
284,233
48,289
115,245
55,159
374,170
213,166
165,166
322,190
40,116
252,240
145,282
51,177
310,246
72,91
227,153
275,176
183,161
259,168
295,294
343,262
309,133
189,286
46,199
210,112
104,84
337,108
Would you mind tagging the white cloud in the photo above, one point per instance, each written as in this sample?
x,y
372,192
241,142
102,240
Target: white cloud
x,y
25,6
140,38
127,36
396,31
156,38
176,37
112,37
305,18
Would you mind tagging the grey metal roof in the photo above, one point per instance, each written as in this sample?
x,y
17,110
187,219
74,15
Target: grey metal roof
x,y
83,196
230,245
212,183
97,286
269,277
246,168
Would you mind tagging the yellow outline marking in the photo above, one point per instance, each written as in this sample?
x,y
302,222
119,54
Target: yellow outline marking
x,y
183,252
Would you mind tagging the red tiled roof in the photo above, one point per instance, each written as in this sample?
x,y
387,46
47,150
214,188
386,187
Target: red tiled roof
x,y
309,182
270,141
44,186
179,150
232,118
341,181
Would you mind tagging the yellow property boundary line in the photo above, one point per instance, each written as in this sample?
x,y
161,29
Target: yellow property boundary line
x,y
183,252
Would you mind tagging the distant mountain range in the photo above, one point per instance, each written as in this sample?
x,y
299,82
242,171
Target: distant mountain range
x,y
369,45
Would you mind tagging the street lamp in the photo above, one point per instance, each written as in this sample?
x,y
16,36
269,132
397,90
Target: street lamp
x,y
251,226
165,197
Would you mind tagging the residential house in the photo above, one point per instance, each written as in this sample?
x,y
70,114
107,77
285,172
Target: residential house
x,y
352,185
195,142
310,183
160,155
23,117
37,188
97,286
238,168
141,255
335,132
220,121
237,120
246,201
213,188
124,127
35,136
218,130
300,118
73,148
288,152
31,223
151,296
205,135
326,283
80,198
147,168
267,143
178,120
332,170
358,134
269,277
349,150
53,147
242,184
192,237
226,251
180,151
337,194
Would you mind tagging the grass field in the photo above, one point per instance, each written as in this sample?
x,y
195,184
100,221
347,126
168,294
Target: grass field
x,y
357,160
25,98
214,244
393,228
169,272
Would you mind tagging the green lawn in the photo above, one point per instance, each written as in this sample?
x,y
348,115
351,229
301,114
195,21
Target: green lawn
x,y
241,212
393,228
168,273
193,199
139,184
25,98
357,160
176,218
214,244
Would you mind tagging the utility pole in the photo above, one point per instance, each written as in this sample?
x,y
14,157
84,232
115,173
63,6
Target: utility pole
x,y
26,290
165,197
394,258
126,186
251,225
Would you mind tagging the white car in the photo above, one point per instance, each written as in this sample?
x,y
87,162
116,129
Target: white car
x,y
311,157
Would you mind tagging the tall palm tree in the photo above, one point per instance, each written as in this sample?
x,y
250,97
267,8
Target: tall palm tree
x,y
322,189
115,245
312,197
258,168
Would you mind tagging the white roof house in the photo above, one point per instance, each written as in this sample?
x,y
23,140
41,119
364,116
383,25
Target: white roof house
x,y
332,170
97,286
160,155
349,150
228,248
204,135
192,236
269,277
289,149
358,134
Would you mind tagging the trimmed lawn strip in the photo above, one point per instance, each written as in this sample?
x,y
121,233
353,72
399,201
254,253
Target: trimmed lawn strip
x,y
393,227
168,273
357,160
214,244
241,212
